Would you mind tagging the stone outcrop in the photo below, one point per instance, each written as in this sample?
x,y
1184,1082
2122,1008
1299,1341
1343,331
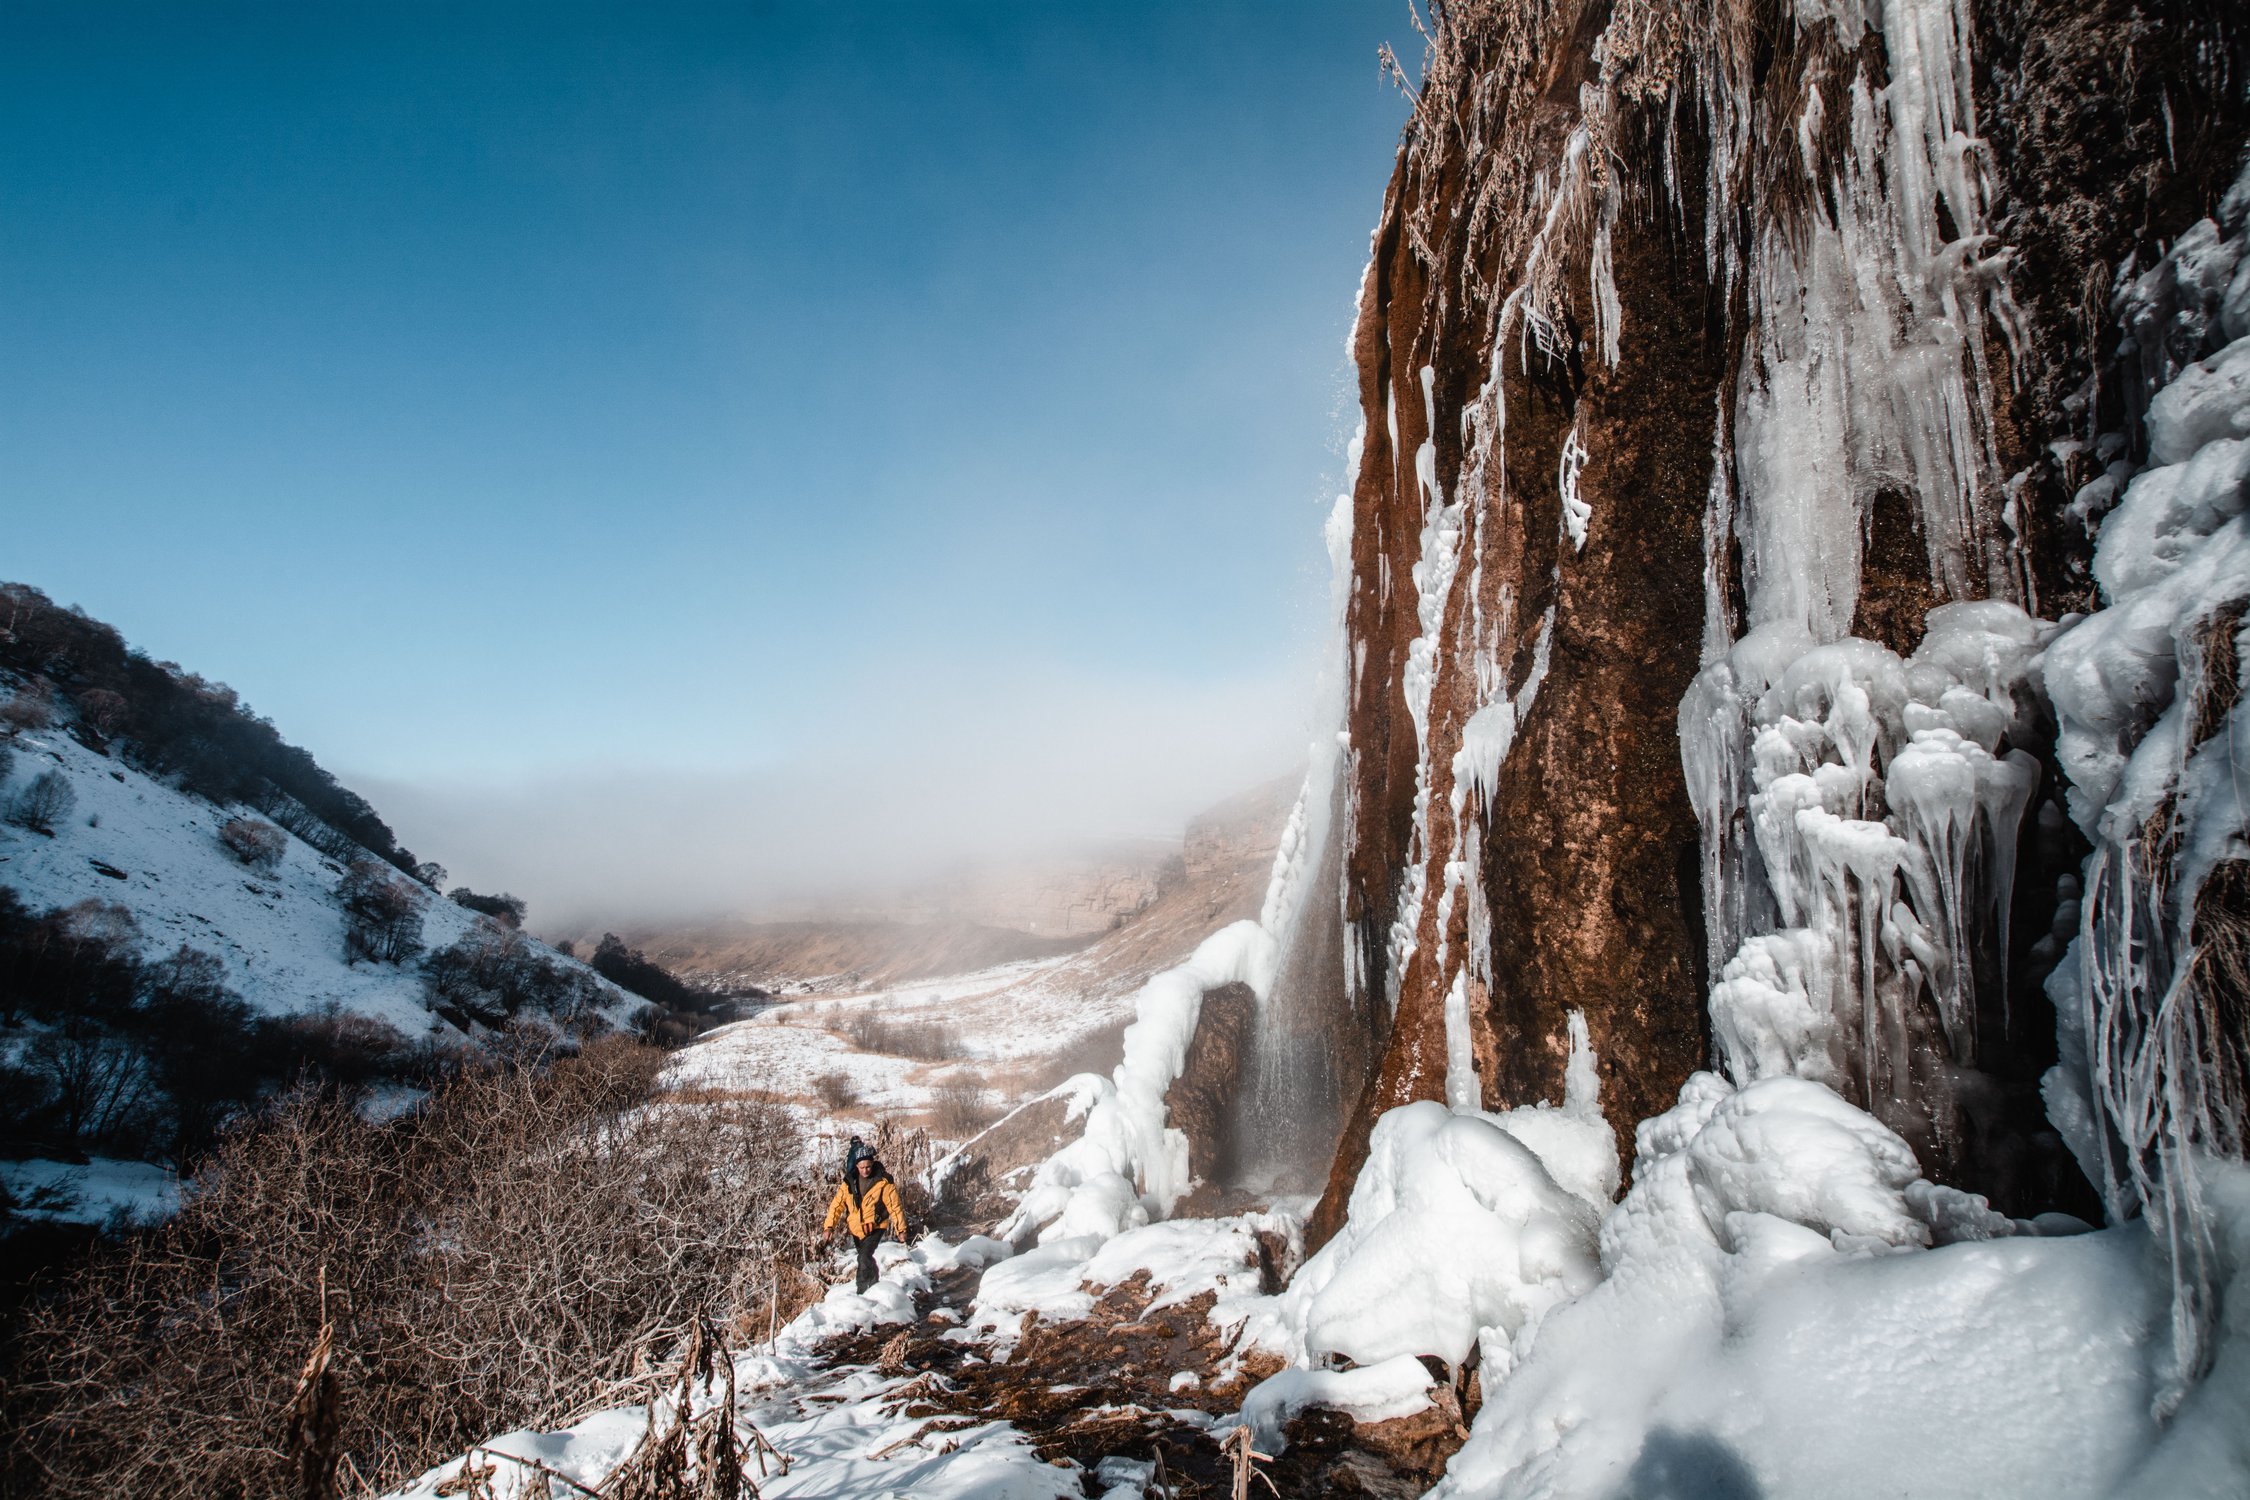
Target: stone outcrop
x,y
1545,541
1200,1101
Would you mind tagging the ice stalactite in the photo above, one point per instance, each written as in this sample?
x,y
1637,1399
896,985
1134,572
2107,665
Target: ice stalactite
x,y
1859,809
1845,230
2154,1080
1881,818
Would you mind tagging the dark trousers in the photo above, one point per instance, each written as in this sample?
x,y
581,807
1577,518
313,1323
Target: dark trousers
x,y
865,1244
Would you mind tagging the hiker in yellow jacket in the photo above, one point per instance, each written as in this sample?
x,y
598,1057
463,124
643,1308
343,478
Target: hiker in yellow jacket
x,y
863,1200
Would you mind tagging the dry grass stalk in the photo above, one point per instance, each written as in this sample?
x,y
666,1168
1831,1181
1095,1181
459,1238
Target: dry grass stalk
x,y
685,1454
1240,1448
314,1418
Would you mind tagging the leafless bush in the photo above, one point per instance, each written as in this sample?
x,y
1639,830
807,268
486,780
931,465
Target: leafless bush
x,y
308,825
29,707
99,1087
354,1048
382,912
836,1089
44,803
494,972
102,711
256,843
510,1255
959,1110
899,1036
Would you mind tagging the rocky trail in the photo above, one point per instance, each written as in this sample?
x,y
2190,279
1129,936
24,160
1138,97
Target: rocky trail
x,y
1137,1397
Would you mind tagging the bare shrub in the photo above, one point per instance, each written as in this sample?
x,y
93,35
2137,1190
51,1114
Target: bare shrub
x,y
99,1087
959,1109
29,707
836,1089
44,803
505,909
382,912
309,825
352,1047
494,973
102,711
512,1253
921,1038
256,843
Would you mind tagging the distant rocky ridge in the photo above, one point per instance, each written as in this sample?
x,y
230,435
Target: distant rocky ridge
x,y
1126,903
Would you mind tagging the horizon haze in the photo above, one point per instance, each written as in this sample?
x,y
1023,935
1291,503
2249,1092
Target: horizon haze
x,y
674,459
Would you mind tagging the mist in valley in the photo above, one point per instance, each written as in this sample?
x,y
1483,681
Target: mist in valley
x,y
883,794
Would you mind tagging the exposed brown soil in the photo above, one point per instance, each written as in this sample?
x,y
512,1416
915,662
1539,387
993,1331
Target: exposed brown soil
x,y
1101,1386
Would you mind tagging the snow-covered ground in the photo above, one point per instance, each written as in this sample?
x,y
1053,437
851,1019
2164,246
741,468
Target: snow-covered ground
x,y
133,841
841,1428
1009,1029
90,1192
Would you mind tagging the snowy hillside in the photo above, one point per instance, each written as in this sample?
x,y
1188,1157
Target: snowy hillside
x,y
133,842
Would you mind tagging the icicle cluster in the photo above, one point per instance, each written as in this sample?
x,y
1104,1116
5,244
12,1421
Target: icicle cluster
x,y
2155,1076
1858,829
1864,809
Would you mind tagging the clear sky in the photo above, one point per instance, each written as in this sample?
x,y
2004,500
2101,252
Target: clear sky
x,y
540,406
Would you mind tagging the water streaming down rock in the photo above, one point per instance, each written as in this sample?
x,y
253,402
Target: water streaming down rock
x,y
1310,1048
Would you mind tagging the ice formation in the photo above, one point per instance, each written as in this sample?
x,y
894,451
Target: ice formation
x,y
1860,815
1463,1224
1860,808
2153,1081
1130,1166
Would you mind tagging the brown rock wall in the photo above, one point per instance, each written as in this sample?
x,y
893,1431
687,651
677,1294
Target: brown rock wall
x,y
1584,856
1573,885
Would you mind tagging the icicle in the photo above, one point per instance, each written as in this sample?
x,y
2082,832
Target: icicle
x,y
1575,511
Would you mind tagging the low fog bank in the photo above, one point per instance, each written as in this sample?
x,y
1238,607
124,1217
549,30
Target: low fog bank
x,y
890,800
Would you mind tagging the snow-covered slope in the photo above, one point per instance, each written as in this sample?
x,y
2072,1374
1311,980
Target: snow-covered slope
x,y
134,842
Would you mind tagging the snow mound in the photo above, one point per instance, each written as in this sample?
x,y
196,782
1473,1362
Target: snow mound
x,y
1455,1227
1773,1322
1397,1387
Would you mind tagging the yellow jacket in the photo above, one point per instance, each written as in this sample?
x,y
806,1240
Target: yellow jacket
x,y
863,1212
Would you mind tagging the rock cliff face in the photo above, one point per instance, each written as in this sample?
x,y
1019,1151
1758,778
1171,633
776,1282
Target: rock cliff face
x,y
1705,349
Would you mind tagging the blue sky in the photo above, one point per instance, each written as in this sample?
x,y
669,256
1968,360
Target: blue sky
x,y
513,398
